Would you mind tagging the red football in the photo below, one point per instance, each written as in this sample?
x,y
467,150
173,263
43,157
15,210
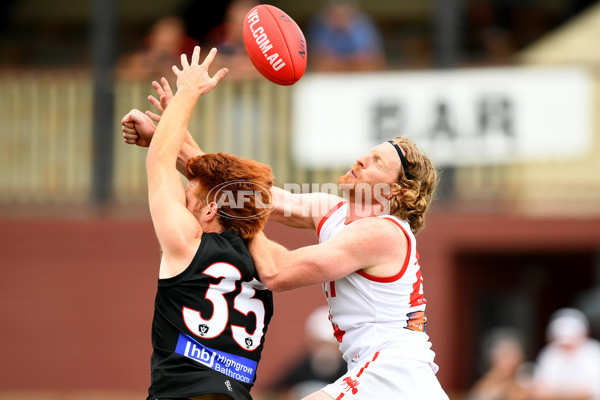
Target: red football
x,y
275,44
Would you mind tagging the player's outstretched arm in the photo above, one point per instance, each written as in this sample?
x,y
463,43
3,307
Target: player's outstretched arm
x,y
301,210
373,245
177,229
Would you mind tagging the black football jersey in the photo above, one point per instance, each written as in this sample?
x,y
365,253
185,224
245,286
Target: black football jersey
x,y
210,323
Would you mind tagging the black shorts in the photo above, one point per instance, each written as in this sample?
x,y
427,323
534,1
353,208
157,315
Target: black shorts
x,y
180,385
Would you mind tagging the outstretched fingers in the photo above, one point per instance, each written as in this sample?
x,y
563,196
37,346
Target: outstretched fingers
x,y
156,103
166,88
184,61
220,74
158,88
210,57
196,55
176,70
164,93
153,116
191,74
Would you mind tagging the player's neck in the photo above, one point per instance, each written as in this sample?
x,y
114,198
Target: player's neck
x,y
357,210
213,227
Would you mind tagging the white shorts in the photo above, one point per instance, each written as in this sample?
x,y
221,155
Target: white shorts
x,y
385,375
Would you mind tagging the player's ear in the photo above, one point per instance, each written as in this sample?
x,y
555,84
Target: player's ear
x,y
211,213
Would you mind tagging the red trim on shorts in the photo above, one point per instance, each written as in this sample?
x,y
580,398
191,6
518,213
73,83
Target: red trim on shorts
x,y
363,368
352,385
326,216
367,365
399,275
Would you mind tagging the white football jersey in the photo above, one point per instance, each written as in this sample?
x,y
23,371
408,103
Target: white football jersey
x,y
370,313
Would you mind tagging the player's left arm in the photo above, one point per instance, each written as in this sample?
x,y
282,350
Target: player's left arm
x,y
363,245
177,229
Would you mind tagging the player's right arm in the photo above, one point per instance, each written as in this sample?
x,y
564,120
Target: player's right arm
x,y
139,127
301,210
373,245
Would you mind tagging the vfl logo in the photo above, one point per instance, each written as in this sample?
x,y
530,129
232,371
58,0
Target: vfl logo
x,y
351,384
202,329
249,342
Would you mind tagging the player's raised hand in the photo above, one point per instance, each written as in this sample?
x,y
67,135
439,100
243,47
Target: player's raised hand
x,y
165,94
194,75
137,128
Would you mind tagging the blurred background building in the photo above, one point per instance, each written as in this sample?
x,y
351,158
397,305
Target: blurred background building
x,y
503,94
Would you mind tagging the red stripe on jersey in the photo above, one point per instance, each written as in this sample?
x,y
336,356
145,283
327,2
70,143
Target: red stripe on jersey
x,y
338,333
400,273
326,216
340,396
329,289
416,297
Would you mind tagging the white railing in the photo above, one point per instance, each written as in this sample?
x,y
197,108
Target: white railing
x,y
46,143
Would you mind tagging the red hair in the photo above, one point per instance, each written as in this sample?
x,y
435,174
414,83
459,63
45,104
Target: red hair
x,y
225,178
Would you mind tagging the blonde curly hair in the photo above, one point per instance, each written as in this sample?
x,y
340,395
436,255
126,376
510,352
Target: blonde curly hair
x,y
414,195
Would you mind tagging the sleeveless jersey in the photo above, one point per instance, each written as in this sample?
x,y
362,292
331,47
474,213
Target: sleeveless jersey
x,y
370,313
210,323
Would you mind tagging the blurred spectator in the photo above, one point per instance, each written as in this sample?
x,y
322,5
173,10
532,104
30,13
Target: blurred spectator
x,y
158,52
228,38
568,368
343,38
507,376
491,37
321,365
